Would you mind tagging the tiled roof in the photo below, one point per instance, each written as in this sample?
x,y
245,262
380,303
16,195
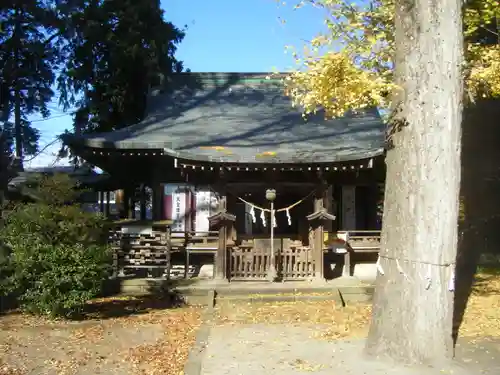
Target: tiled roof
x,y
235,117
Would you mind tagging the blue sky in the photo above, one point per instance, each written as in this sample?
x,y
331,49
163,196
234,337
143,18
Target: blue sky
x,y
222,36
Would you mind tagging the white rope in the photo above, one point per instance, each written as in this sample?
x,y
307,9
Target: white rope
x,y
279,209
428,278
288,217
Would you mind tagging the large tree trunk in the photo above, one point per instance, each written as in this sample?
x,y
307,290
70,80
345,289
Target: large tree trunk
x,y
413,302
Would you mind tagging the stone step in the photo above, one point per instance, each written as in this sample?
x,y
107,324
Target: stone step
x,y
341,295
198,292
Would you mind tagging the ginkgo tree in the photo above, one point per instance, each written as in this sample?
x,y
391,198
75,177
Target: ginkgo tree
x,y
422,59
357,68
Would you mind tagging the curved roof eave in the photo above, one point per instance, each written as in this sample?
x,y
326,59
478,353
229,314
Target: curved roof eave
x,y
314,157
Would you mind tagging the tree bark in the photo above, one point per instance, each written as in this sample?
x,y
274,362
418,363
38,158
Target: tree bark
x,y
413,302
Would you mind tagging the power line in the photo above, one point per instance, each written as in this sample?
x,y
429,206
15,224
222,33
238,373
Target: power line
x,y
57,108
42,150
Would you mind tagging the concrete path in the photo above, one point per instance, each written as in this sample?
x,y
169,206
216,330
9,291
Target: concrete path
x,y
287,350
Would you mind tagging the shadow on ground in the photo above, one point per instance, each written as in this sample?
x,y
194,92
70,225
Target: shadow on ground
x,y
157,295
480,197
115,307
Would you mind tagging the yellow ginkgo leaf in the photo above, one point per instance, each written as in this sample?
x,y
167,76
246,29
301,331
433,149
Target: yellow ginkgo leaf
x,y
358,72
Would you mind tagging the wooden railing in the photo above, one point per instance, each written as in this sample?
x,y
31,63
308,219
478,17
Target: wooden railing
x,y
192,240
195,243
360,241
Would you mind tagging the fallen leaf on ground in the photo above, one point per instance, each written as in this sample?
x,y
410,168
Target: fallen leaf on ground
x,y
129,335
151,336
481,319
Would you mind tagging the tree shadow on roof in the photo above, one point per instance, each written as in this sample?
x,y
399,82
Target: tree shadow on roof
x,y
244,114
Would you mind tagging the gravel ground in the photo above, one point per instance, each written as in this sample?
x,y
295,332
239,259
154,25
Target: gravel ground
x,y
296,349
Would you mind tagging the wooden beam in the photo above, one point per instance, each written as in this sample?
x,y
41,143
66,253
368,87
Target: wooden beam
x,y
262,186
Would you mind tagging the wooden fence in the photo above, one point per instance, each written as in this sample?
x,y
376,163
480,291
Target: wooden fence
x,y
296,263
249,261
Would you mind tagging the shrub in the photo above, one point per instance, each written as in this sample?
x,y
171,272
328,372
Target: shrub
x,y
58,256
57,280
53,224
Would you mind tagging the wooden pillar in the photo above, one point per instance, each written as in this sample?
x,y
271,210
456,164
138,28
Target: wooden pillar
x,y
166,240
157,196
302,211
224,223
371,207
380,205
328,205
127,203
143,197
317,221
100,197
220,267
348,207
120,203
132,212
155,202
108,204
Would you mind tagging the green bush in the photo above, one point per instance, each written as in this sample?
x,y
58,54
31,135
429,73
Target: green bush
x,y
53,224
58,256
